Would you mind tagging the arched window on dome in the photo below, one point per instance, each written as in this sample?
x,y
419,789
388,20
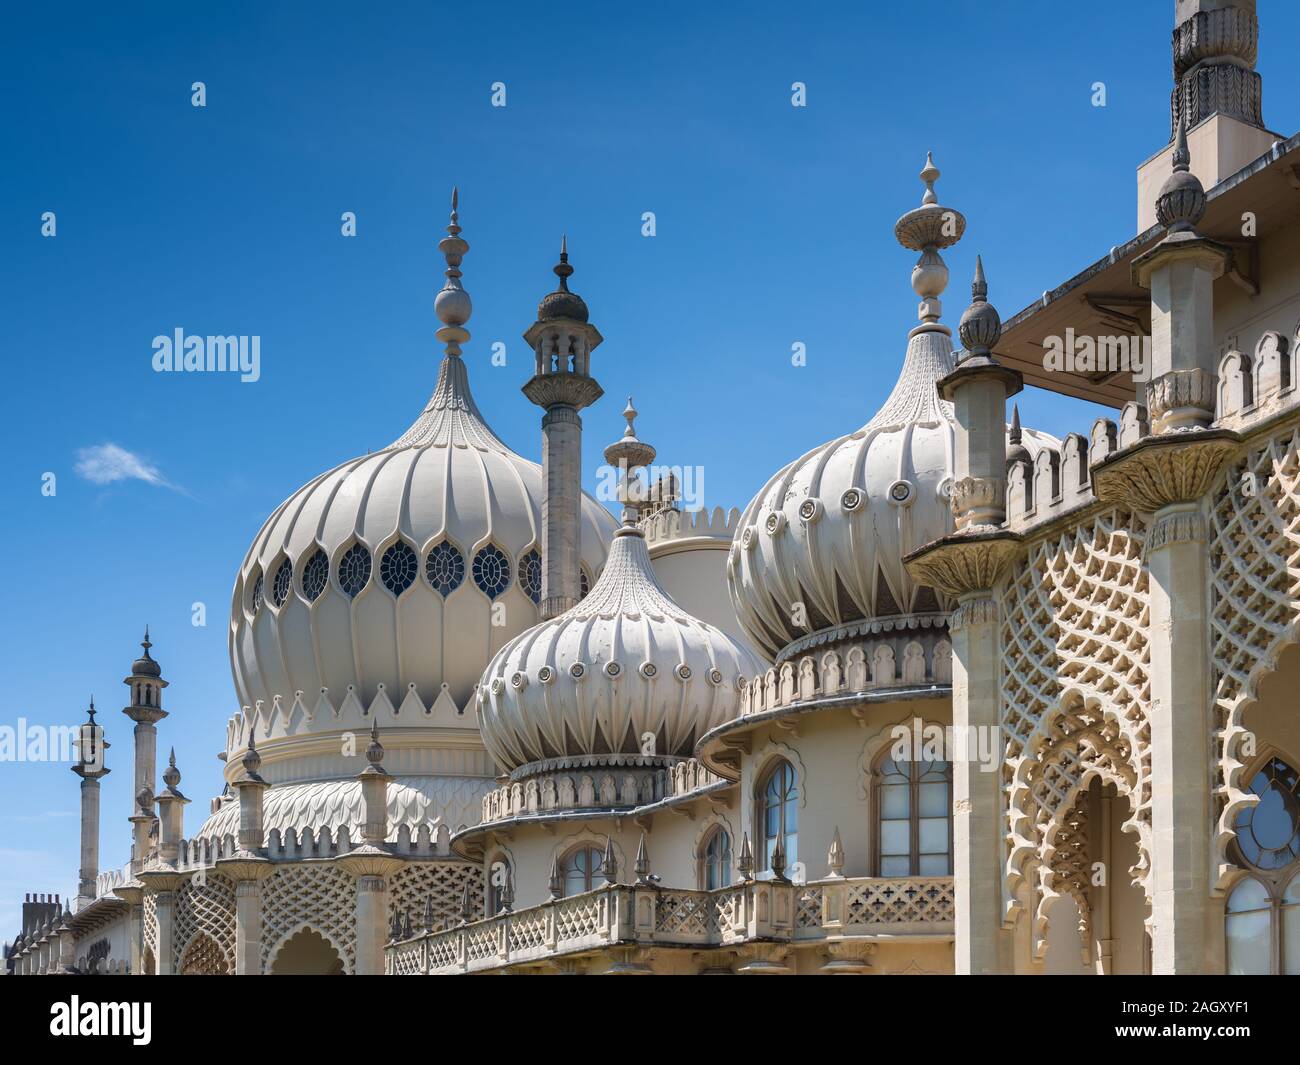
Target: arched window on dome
x,y
444,568
258,594
913,817
398,567
779,812
315,576
530,575
1262,915
715,860
354,570
491,571
282,583
582,869
584,584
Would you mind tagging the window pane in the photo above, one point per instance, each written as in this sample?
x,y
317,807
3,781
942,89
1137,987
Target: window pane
x,y
934,799
1248,946
1250,894
1291,939
900,866
894,800
934,865
934,835
894,838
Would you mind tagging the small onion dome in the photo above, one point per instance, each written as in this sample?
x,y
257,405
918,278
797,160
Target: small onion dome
x,y
145,666
1181,202
562,303
626,671
1016,450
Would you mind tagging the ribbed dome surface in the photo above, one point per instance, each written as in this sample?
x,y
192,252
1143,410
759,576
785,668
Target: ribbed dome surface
x,y
624,662
389,568
822,544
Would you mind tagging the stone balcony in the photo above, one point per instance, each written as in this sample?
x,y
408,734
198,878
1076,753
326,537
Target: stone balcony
x,y
772,917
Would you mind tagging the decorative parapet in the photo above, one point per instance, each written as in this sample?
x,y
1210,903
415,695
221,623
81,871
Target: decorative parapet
x,y
903,657
667,525
293,845
1255,387
603,783
647,916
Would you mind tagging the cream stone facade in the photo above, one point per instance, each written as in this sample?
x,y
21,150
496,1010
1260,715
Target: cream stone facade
x,y
949,695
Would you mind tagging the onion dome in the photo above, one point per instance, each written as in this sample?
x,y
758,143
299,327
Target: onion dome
x,y
405,568
627,674
818,553
145,666
1181,201
562,303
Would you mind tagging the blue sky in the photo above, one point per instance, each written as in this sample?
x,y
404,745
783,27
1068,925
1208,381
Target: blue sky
x,y
774,226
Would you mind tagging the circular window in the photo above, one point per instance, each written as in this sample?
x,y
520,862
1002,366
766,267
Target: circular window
x,y
900,492
491,571
1268,833
283,580
613,669
530,576
444,568
259,594
810,510
398,567
683,672
851,499
315,575
649,669
354,570
577,670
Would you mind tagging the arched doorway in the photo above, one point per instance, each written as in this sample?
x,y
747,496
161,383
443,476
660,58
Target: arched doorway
x,y
307,953
204,957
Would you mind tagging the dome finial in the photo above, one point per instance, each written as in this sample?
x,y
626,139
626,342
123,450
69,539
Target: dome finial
x,y
980,324
1181,202
452,304
562,269
628,455
171,775
928,229
929,174
563,303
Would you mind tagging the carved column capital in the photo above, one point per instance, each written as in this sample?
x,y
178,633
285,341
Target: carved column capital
x,y
1182,526
1159,471
1181,399
964,562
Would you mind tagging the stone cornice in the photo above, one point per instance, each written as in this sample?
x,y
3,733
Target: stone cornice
x,y
245,866
1180,247
1159,471
973,369
369,861
963,562
574,390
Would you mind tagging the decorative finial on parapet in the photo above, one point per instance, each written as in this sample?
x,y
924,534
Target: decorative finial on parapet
x,y
466,905
428,913
557,879
452,304
835,857
778,857
1180,204
609,867
642,866
981,327
927,229
90,714
745,860
375,752
252,760
171,775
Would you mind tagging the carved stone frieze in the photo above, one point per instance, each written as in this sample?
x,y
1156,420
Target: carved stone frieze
x,y
1181,399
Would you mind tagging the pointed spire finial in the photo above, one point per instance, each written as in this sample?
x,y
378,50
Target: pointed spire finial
x,y
562,269
171,775
609,867
835,857
466,905
1180,204
929,174
557,879
979,288
1015,434
745,860
630,413
980,327
452,304
642,866
1182,158
375,752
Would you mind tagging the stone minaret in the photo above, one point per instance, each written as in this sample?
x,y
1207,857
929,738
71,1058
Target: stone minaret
x,y
629,455
145,709
90,766
1215,45
562,340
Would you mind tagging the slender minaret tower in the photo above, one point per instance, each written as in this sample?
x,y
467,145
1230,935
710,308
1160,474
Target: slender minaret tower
x,y
628,455
562,340
90,766
146,685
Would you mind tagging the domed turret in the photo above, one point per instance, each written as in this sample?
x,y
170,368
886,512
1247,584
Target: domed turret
x,y
818,554
402,570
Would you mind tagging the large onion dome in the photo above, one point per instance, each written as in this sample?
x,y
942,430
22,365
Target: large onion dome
x,y
625,674
406,567
818,553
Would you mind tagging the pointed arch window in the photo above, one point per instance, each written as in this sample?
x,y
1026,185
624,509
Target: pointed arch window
x,y
913,818
354,570
491,571
530,575
582,869
398,567
258,594
444,568
715,860
283,581
779,812
1262,914
315,576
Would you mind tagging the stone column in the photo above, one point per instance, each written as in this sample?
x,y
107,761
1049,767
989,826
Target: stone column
x,y
133,895
248,927
90,768
166,917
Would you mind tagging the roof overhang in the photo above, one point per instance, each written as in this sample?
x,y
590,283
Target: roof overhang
x,y
1103,300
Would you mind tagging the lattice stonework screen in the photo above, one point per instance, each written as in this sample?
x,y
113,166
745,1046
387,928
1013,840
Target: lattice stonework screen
x,y
150,913
1255,598
1075,693
443,882
319,897
206,909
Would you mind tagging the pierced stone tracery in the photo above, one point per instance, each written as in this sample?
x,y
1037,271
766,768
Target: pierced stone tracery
x,y
1075,699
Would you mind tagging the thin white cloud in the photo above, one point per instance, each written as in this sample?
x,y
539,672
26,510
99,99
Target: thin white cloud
x,y
108,464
